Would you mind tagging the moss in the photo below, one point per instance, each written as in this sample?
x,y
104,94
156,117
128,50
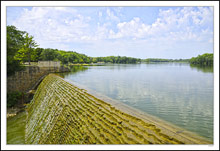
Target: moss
x,y
61,113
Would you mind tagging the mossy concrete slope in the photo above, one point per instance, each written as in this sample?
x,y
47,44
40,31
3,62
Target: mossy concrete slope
x,y
61,113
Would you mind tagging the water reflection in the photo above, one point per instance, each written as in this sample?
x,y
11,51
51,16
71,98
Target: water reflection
x,y
207,69
116,66
174,92
74,70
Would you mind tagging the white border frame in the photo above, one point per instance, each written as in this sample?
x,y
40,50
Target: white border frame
x,y
215,4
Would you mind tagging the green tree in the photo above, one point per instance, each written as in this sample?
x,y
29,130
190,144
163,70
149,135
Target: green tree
x,y
94,60
15,41
36,56
24,54
49,54
203,60
81,60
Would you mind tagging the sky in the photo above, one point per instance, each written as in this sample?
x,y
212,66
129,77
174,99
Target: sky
x,y
141,32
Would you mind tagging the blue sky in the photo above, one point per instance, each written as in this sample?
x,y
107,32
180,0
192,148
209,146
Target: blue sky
x,y
142,32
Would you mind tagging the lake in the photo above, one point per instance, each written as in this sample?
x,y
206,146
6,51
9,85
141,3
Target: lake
x,y
175,92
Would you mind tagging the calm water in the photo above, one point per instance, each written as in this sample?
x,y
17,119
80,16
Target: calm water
x,y
176,92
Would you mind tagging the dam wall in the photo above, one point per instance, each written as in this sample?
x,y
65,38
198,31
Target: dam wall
x,y
23,81
61,113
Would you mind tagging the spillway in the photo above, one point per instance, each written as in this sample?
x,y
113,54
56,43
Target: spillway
x,y
61,113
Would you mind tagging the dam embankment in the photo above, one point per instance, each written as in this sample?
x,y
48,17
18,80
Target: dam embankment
x,y
61,113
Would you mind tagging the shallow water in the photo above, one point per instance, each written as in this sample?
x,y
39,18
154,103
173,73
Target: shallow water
x,y
175,92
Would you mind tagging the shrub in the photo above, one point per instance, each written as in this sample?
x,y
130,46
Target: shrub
x,y
13,97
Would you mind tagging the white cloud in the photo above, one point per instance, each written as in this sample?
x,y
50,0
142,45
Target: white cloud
x,y
61,8
173,24
111,15
57,26
133,29
64,23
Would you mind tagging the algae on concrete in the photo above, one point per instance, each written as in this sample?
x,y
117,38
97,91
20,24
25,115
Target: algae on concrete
x,y
61,113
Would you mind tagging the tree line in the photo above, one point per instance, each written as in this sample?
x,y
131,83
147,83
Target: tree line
x,y
148,60
21,48
70,57
117,59
203,60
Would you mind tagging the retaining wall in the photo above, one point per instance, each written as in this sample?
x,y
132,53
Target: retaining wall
x,y
49,64
24,80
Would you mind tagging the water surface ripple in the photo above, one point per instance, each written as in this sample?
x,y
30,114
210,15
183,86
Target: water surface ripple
x,y
174,92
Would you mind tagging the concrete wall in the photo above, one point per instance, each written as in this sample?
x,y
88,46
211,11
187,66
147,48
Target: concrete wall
x,y
49,64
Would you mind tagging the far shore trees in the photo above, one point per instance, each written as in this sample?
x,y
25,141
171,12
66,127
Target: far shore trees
x,y
21,48
203,60
148,60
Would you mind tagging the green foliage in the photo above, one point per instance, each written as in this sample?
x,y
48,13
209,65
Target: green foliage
x,y
66,57
117,59
24,54
203,60
15,41
70,57
21,55
94,60
36,55
13,97
21,48
164,60
48,54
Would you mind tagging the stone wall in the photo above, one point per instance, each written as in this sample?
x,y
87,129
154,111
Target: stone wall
x,y
24,80
49,64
